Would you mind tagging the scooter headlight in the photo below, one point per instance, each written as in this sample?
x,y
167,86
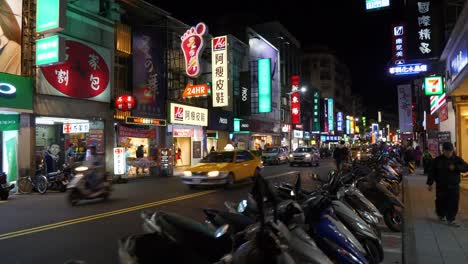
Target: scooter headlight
x,y
81,169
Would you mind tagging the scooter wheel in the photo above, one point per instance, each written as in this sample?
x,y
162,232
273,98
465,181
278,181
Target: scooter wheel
x,y
74,198
4,195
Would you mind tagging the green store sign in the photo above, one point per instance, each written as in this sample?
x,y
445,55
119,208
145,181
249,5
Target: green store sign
x,y
16,93
9,122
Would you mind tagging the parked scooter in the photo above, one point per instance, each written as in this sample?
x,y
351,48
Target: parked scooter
x,y
80,187
5,187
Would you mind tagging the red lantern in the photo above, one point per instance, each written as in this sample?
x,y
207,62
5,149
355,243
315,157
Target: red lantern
x,y
125,102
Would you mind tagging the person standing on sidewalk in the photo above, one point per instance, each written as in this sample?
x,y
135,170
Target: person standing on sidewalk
x,y
445,172
340,154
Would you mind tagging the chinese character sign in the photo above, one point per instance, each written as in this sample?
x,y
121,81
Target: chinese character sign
x,y
75,128
295,108
408,69
192,46
339,121
119,161
331,122
294,83
85,74
377,4
219,71
316,112
399,43
188,115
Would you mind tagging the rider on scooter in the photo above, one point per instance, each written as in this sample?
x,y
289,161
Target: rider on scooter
x,y
96,168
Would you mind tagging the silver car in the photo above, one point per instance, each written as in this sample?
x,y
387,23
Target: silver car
x,y
275,155
304,155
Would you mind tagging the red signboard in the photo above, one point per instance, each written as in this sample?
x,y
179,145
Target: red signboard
x,y
295,83
295,108
196,90
192,45
443,113
125,102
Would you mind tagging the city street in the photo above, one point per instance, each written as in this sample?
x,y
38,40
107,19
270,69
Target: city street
x,y
45,229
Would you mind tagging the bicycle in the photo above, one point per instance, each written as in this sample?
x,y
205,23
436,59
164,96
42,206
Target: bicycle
x,y
28,184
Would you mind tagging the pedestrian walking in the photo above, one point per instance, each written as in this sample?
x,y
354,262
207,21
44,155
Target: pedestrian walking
x,y
445,172
340,154
418,156
427,160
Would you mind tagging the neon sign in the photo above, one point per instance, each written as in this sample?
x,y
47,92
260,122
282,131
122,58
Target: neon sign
x,y
376,4
339,121
192,46
408,69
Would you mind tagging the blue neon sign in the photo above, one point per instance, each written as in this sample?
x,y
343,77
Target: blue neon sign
x,y
408,69
339,121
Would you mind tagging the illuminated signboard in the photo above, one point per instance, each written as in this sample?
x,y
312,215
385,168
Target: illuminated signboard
x,y
264,85
119,161
196,90
364,121
50,16
188,115
348,125
295,108
50,50
434,85
219,70
399,44
75,128
192,45
294,83
424,27
298,133
339,121
377,4
316,113
241,125
325,115
408,69
437,101
145,121
331,122
458,62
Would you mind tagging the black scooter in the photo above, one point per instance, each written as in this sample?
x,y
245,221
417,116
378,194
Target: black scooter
x,y
5,188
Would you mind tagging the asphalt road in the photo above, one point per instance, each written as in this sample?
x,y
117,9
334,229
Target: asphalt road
x,y
45,229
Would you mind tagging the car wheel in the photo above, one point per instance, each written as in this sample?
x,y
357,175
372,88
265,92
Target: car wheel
x,y
230,181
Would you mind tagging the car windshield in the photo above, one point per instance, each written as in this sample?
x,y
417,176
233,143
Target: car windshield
x,y
219,157
302,150
272,150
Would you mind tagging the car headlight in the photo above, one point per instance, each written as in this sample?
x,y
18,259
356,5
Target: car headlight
x,y
187,173
291,155
307,155
213,174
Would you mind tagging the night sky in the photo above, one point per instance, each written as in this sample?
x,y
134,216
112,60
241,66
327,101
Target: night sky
x,y
361,39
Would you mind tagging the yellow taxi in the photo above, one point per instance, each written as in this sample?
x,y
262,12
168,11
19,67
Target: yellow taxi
x,y
223,168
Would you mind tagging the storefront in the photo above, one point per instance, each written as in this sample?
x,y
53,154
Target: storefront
x,y
241,133
15,109
187,133
298,139
455,57
219,127
264,134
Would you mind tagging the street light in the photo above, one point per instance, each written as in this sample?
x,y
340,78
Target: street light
x,y
303,89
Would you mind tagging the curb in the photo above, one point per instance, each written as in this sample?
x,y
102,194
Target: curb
x,y
408,241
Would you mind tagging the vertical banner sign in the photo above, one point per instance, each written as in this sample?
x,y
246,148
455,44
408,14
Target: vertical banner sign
x,y
399,43
404,108
348,125
364,121
316,113
331,121
119,161
50,16
149,85
339,121
244,102
192,45
219,71
325,115
434,85
294,83
295,108
425,32
264,85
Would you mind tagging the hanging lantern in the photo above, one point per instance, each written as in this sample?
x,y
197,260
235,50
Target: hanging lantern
x,y
125,102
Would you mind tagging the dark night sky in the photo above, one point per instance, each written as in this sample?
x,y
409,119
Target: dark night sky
x,y
361,39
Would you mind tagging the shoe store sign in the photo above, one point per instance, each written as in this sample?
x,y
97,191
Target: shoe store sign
x,y
188,115
192,46
219,71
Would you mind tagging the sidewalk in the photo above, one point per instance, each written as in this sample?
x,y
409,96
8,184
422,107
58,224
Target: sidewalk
x,y
426,240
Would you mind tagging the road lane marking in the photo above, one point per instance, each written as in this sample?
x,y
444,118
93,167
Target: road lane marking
x,y
99,216
117,212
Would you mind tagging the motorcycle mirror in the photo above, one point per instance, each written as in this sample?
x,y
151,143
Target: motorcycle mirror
x,y
221,231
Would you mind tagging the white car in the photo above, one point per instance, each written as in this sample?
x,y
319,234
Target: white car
x,y
304,155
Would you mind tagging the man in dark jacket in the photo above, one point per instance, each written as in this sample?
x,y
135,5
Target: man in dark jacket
x,y
340,154
445,172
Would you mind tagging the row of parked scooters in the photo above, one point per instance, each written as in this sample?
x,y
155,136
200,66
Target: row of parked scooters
x,y
337,223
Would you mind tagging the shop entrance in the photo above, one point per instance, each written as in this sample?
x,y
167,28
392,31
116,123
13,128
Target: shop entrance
x,y
183,150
